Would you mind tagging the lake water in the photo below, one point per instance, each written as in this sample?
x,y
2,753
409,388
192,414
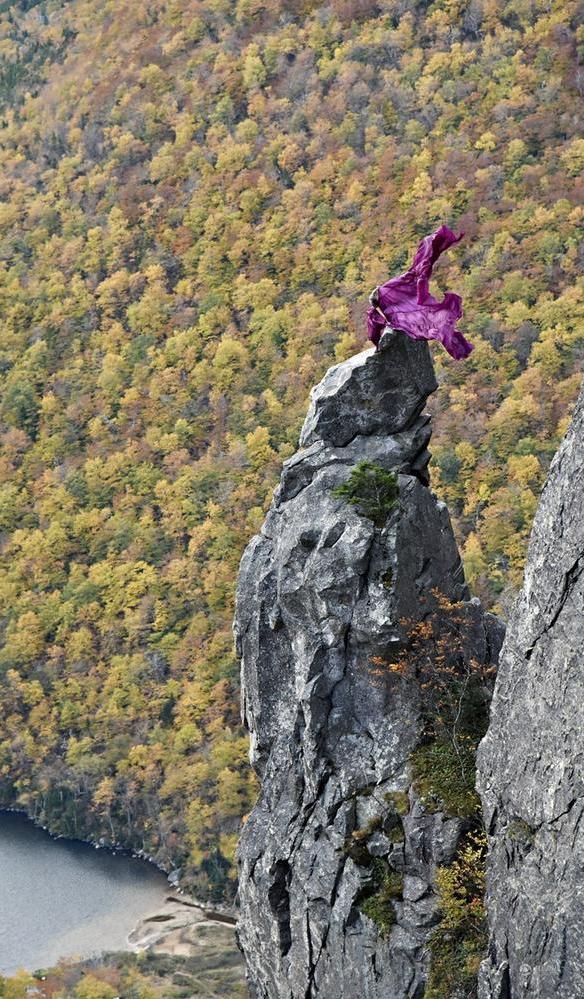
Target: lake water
x,y
60,898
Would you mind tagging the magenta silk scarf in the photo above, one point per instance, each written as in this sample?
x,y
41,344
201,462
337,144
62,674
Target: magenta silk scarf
x,y
405,303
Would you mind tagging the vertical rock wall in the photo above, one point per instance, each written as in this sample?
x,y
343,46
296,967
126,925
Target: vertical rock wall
x,y
321,592
531,763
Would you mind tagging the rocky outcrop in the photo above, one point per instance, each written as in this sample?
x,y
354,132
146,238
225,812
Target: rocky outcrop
x,y
321,592
531,763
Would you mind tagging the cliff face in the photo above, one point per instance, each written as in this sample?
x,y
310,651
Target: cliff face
x,y
531,763
321,592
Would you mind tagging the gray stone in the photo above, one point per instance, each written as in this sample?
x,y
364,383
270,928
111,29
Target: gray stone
x,y
375,392
531,762
321,592
379,845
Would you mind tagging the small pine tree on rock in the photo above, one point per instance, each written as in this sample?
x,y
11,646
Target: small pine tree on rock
x,y
372,490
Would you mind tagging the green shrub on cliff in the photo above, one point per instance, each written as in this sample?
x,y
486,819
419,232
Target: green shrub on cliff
x,y
385,887
458,943
454,692
372,490
444,775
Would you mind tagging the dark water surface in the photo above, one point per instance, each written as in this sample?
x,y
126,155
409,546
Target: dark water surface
x,y
60,898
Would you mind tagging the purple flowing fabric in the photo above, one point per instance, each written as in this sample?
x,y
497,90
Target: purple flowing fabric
x,y
405,303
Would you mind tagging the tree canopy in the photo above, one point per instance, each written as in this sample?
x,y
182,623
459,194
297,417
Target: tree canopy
x,y
196,197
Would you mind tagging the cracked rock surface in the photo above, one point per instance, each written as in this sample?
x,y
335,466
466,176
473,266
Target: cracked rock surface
x,y
531,762
321,591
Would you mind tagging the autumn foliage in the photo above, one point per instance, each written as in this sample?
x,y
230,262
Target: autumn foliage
x,y
455,689
195,200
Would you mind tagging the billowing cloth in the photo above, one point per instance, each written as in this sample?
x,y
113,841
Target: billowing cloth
x,y
405,303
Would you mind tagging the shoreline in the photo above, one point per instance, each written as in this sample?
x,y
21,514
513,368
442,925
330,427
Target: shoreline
x,y
217,912
179,928
154,917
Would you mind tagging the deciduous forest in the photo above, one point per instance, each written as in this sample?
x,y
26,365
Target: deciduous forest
x,y
196,197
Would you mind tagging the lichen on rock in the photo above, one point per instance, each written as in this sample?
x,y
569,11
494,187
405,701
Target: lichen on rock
x,y
336,883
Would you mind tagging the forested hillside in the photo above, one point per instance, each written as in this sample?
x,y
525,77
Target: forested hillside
x,y
196,199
